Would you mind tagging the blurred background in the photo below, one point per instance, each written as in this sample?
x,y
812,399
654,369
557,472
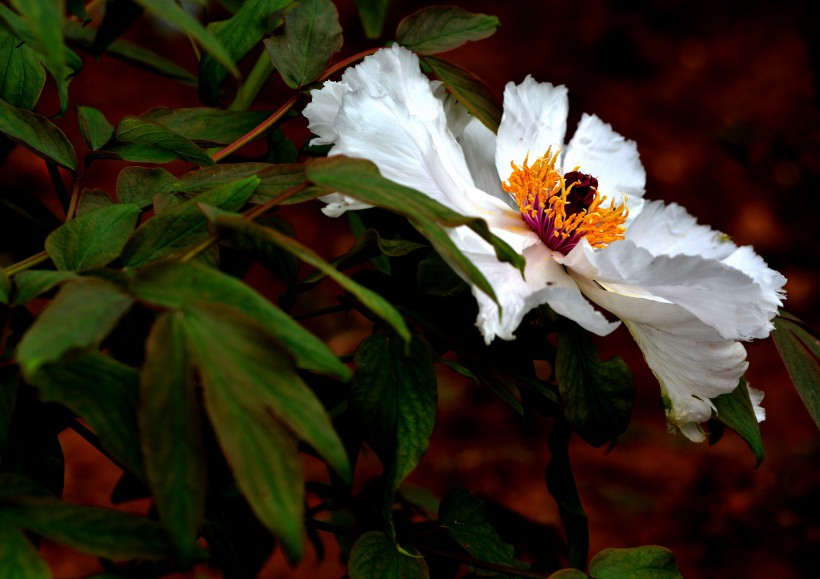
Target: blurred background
x,y
722,99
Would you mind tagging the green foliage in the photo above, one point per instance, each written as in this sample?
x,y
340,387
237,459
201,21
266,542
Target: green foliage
x,y
182,321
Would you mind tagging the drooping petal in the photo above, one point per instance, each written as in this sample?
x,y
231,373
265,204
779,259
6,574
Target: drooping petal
x,y
720,295
756,397
534,119
390,115
544,282
613,160
692,362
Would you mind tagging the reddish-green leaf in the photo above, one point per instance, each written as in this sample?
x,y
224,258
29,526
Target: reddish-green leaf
x,y
81,315
469,90
375,556
170,422
94,127
142,140
648,562
442,28
37,134
800,351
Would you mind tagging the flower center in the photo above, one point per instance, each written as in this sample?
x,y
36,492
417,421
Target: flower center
x,y
564,209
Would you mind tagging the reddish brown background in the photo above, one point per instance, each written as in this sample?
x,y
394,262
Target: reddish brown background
x,y
722,99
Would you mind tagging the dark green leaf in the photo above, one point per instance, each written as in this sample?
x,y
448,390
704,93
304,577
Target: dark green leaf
x,y
138,185
442,28
178,284
469,90
118,17
361,180
597,396
568,574
311,35
273,179
18,557
800,351
648,562
102,532
93,239
44,19
375,556
131,53
174,14
239,34
94,127
103,392
31,283
177,229
207,126
81,315
394,396
154,143
247,358
92,199
462,516
37,134
372,13
9,378
23,76
170,422
735,411
77,8
13,485
264,235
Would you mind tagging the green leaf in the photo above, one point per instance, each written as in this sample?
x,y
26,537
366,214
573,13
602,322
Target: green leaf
x,y
91,200
140,140
174,14
37,134
103,392
462,516
169,411
262,236
94,127
361,180
800,349
97,531
22,80
372,14
735,411
568,574
93,239
375,556
207,126
18,557
472,92
597,396
129,52
80,315
394,396
177,229
273,179
31,283
311,35
77,8
175,285
250,388
239,34
442,28
248,358
138,185
44,19
647,562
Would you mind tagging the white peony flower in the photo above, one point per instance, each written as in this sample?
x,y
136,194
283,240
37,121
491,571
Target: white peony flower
x,y
575,212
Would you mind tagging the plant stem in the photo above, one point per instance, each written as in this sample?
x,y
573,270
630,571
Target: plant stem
x,y
256,79
26,263
59,185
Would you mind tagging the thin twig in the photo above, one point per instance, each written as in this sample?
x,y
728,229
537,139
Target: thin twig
x,y
26,263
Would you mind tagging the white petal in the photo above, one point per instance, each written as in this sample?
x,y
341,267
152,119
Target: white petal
x,y
545,282
478,144
607,156
390,115
534,118
323,110
756,397
719,295
690,360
